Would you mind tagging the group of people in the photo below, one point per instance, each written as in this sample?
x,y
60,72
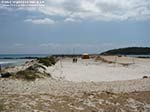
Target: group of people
x,y
0,70
75,60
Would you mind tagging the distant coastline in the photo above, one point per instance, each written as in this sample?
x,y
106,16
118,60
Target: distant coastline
x,y
34,56
138,52
130,51
22,56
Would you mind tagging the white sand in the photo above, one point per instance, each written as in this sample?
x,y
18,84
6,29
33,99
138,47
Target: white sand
x,y
34,95
85,70
90,70
61,87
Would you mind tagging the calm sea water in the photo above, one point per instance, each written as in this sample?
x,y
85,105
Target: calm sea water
x,y
2,56
14,59
138,55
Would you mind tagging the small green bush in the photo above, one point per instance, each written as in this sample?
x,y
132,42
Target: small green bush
x,y
47,61
35,67
26,75
1,107
31,73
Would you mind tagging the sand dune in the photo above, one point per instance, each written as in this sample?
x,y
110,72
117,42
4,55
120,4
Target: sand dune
x,y
91,70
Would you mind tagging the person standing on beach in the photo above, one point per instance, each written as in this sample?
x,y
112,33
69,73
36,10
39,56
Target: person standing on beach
x,y
0,70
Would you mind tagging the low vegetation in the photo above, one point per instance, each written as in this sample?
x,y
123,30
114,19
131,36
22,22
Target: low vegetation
x,y
36,67
32,73
47,61
1,107
99,58
26,75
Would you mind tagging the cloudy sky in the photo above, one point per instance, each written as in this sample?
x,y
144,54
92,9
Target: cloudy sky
x,y
67,26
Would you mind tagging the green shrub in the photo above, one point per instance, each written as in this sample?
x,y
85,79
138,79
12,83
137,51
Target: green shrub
x,y
1,107
26,75
35,67
47,61
31,73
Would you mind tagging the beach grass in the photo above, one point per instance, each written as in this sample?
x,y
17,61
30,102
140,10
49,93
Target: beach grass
x,y
1,107
28,75
32,73
47,61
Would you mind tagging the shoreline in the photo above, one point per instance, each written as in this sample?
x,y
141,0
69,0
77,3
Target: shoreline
x,y
35,56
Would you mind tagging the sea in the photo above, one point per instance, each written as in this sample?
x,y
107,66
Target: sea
x,y
142,56
17,59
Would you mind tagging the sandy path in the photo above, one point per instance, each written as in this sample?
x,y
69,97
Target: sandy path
x,y
89,70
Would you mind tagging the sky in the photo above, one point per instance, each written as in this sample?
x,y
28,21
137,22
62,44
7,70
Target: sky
x,y
74,26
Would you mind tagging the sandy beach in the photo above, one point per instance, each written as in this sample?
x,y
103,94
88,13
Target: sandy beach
x,y
78,87
74,55
97,71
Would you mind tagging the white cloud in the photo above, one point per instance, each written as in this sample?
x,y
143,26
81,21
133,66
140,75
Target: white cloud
x,y
52,45
40,21
103,10
99,10
71,20
18,45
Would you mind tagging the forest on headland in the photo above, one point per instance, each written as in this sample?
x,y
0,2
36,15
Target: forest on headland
x,y
128,51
